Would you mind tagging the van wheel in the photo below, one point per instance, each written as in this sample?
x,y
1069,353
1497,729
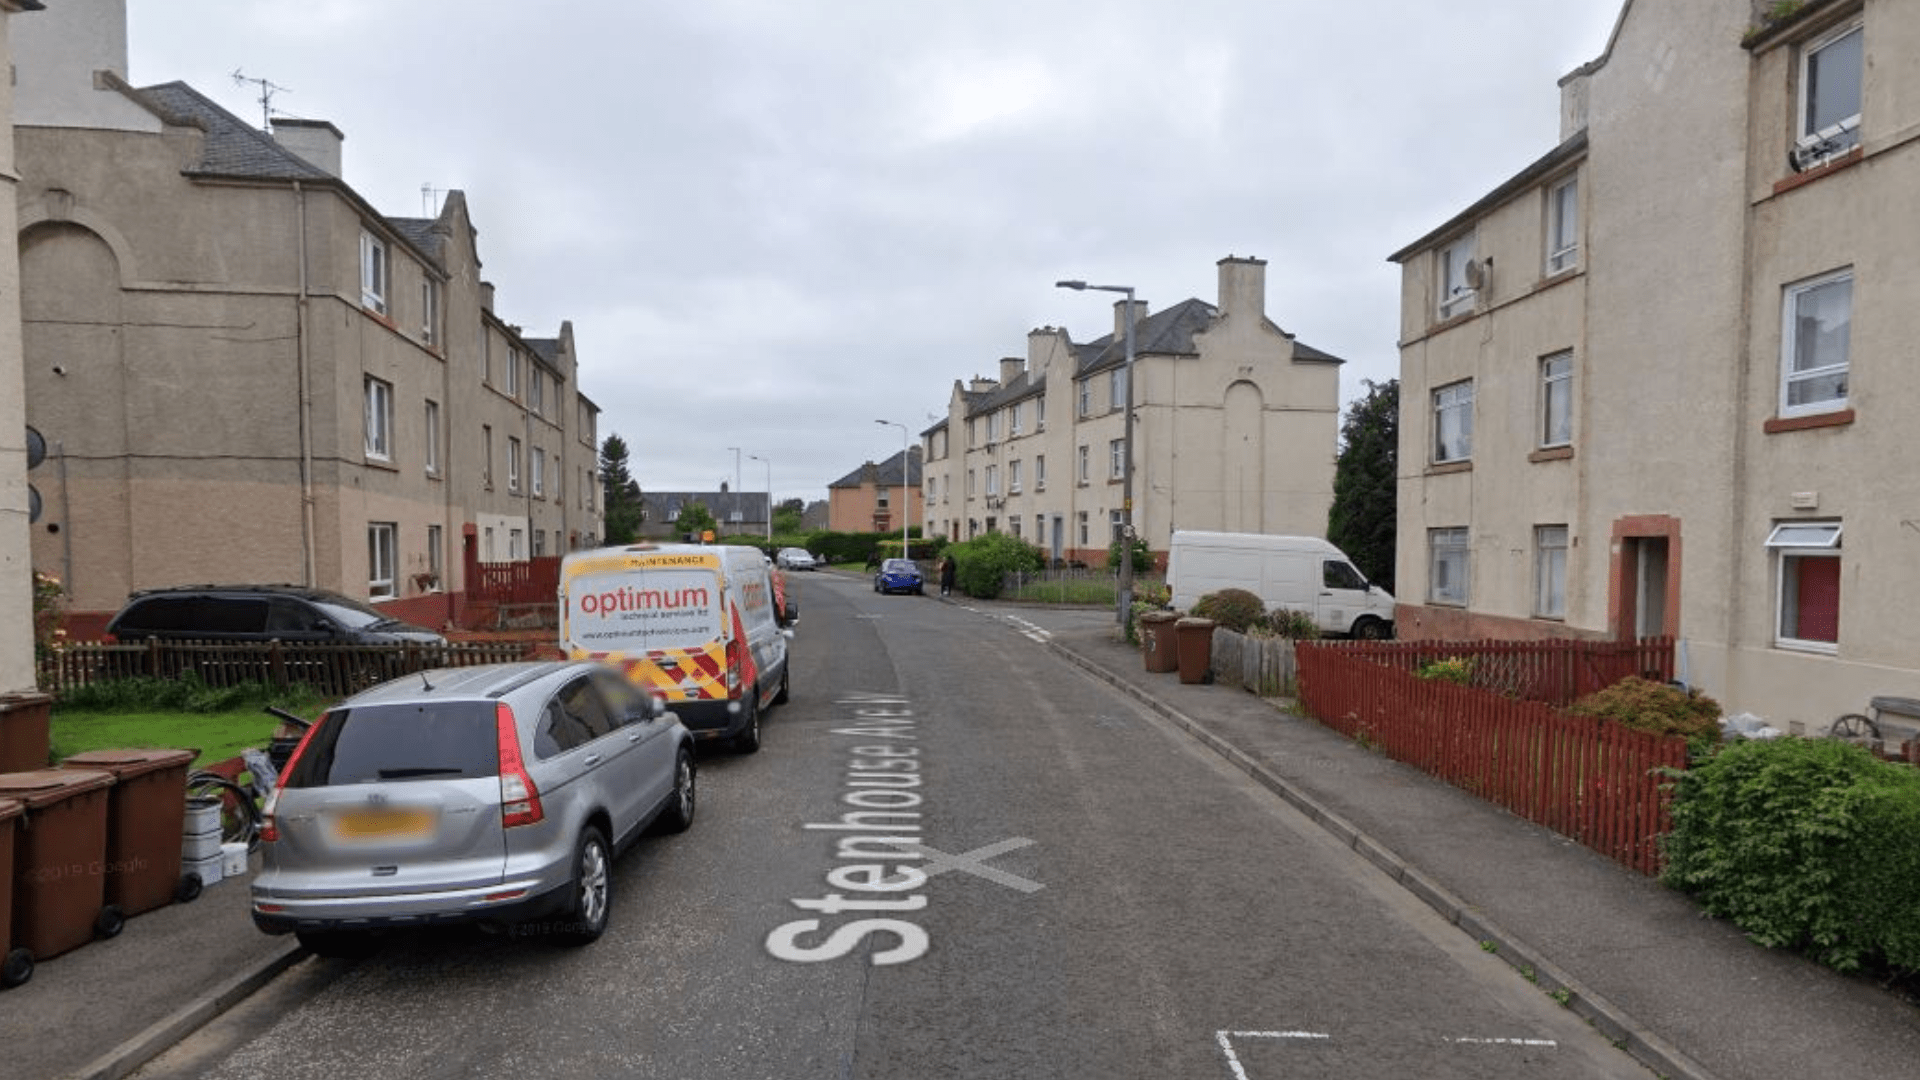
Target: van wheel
x,y
749,740
586,918
1371,629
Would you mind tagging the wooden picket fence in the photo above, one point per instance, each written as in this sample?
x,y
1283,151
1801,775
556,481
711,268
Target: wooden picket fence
x,y
330,669
528,581
1596,782
1558,672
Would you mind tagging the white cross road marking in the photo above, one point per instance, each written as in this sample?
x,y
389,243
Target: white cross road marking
x,y
1029,630
974,862
1225,1039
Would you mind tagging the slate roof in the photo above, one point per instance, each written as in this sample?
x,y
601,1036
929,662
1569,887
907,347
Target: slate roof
x,y
885,474
664,506
234,148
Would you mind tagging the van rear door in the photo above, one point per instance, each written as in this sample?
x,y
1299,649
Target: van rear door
x,y
659,618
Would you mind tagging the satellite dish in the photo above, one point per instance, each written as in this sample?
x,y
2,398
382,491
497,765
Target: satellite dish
x,y
1479,273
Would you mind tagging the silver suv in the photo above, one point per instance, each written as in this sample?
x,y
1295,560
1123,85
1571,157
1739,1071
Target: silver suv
x,y
496,794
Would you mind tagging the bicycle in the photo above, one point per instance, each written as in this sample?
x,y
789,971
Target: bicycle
x,y
240,796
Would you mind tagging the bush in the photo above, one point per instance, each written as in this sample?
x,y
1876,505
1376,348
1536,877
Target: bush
x,y
1288,623
1453,669
1645,705
1810,844
982,564
1234,609
1142,556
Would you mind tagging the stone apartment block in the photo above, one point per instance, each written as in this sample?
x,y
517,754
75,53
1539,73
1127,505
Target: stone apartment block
x,y
1235,426
879,497
246,372
1656,383
16,571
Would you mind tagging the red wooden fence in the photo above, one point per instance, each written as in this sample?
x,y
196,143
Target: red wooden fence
x,y
533,581
1558,672
1594,781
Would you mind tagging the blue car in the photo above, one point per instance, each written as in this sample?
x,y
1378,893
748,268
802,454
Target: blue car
x,y
899,575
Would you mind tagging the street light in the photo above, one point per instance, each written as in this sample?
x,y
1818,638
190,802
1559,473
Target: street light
x,y
906,500
769,466
1125,600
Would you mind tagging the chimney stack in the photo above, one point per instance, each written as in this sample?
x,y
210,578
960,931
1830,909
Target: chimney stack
x,y
316,142
1243,287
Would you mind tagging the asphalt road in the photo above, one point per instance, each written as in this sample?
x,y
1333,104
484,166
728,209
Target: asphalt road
x,y
954,856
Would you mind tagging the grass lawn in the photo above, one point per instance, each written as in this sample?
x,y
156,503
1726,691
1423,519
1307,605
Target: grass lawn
x,y
217,736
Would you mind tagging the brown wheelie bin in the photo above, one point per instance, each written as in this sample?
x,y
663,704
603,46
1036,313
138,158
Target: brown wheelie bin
x,y
1156,640
16,965
146,809
25,731
59,859
1195,648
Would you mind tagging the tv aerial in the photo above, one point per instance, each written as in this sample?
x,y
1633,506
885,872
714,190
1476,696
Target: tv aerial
x,y
267,90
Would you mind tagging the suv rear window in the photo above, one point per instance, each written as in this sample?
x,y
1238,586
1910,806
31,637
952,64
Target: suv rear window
x,y
386,743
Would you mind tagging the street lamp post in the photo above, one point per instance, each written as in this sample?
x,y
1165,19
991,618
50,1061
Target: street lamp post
x,y
1125,599
769,466
906,499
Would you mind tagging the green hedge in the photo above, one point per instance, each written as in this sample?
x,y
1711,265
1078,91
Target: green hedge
x,y
1808,844
982,564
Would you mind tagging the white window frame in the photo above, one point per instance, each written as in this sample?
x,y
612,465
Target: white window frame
x,y
1840,133
1563,225
1086,397
1790,542
1450,546
1013,477
382,558
432,419
537,470
993,481
1039,414
486,455
513,372
429,311
1015,419
1556,399
1550,543
1085,465
376,272
379,408
1790,346
1453,400
437,557
513,463
1085,525
1117,459
1115,524
1117,388
1451,261
537,392
1039,472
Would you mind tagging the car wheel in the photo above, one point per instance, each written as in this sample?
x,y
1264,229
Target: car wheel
x,y
1370,629
748,740
335,944
586,918
678,815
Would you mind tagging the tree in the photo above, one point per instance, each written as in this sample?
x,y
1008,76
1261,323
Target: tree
x,y
1365,477
787,517
619,493
695,519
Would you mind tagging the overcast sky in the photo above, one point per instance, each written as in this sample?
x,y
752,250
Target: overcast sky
x,y
772,222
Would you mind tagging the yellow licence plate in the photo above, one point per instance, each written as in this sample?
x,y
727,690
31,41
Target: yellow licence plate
x,y
385,823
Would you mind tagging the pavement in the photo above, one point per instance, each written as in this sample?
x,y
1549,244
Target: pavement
x,y
1687,996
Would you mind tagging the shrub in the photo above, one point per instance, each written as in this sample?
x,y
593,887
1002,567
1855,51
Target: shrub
x,y
1453,669
1645,705
1154,593
1811,844
982,564
1288,623
1234,609
1142,556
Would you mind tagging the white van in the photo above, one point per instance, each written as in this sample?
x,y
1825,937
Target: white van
x,y
695,624
1301,573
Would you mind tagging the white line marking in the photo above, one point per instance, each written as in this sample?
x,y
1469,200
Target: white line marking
x,y
1225,1039
1502,1042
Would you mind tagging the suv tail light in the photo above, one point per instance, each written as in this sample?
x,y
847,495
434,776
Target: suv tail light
x,y
269,824
519,799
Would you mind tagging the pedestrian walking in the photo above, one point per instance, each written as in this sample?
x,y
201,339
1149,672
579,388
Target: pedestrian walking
x,y
946,575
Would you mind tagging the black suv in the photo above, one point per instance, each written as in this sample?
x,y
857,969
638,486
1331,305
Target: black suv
x,y
287,613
